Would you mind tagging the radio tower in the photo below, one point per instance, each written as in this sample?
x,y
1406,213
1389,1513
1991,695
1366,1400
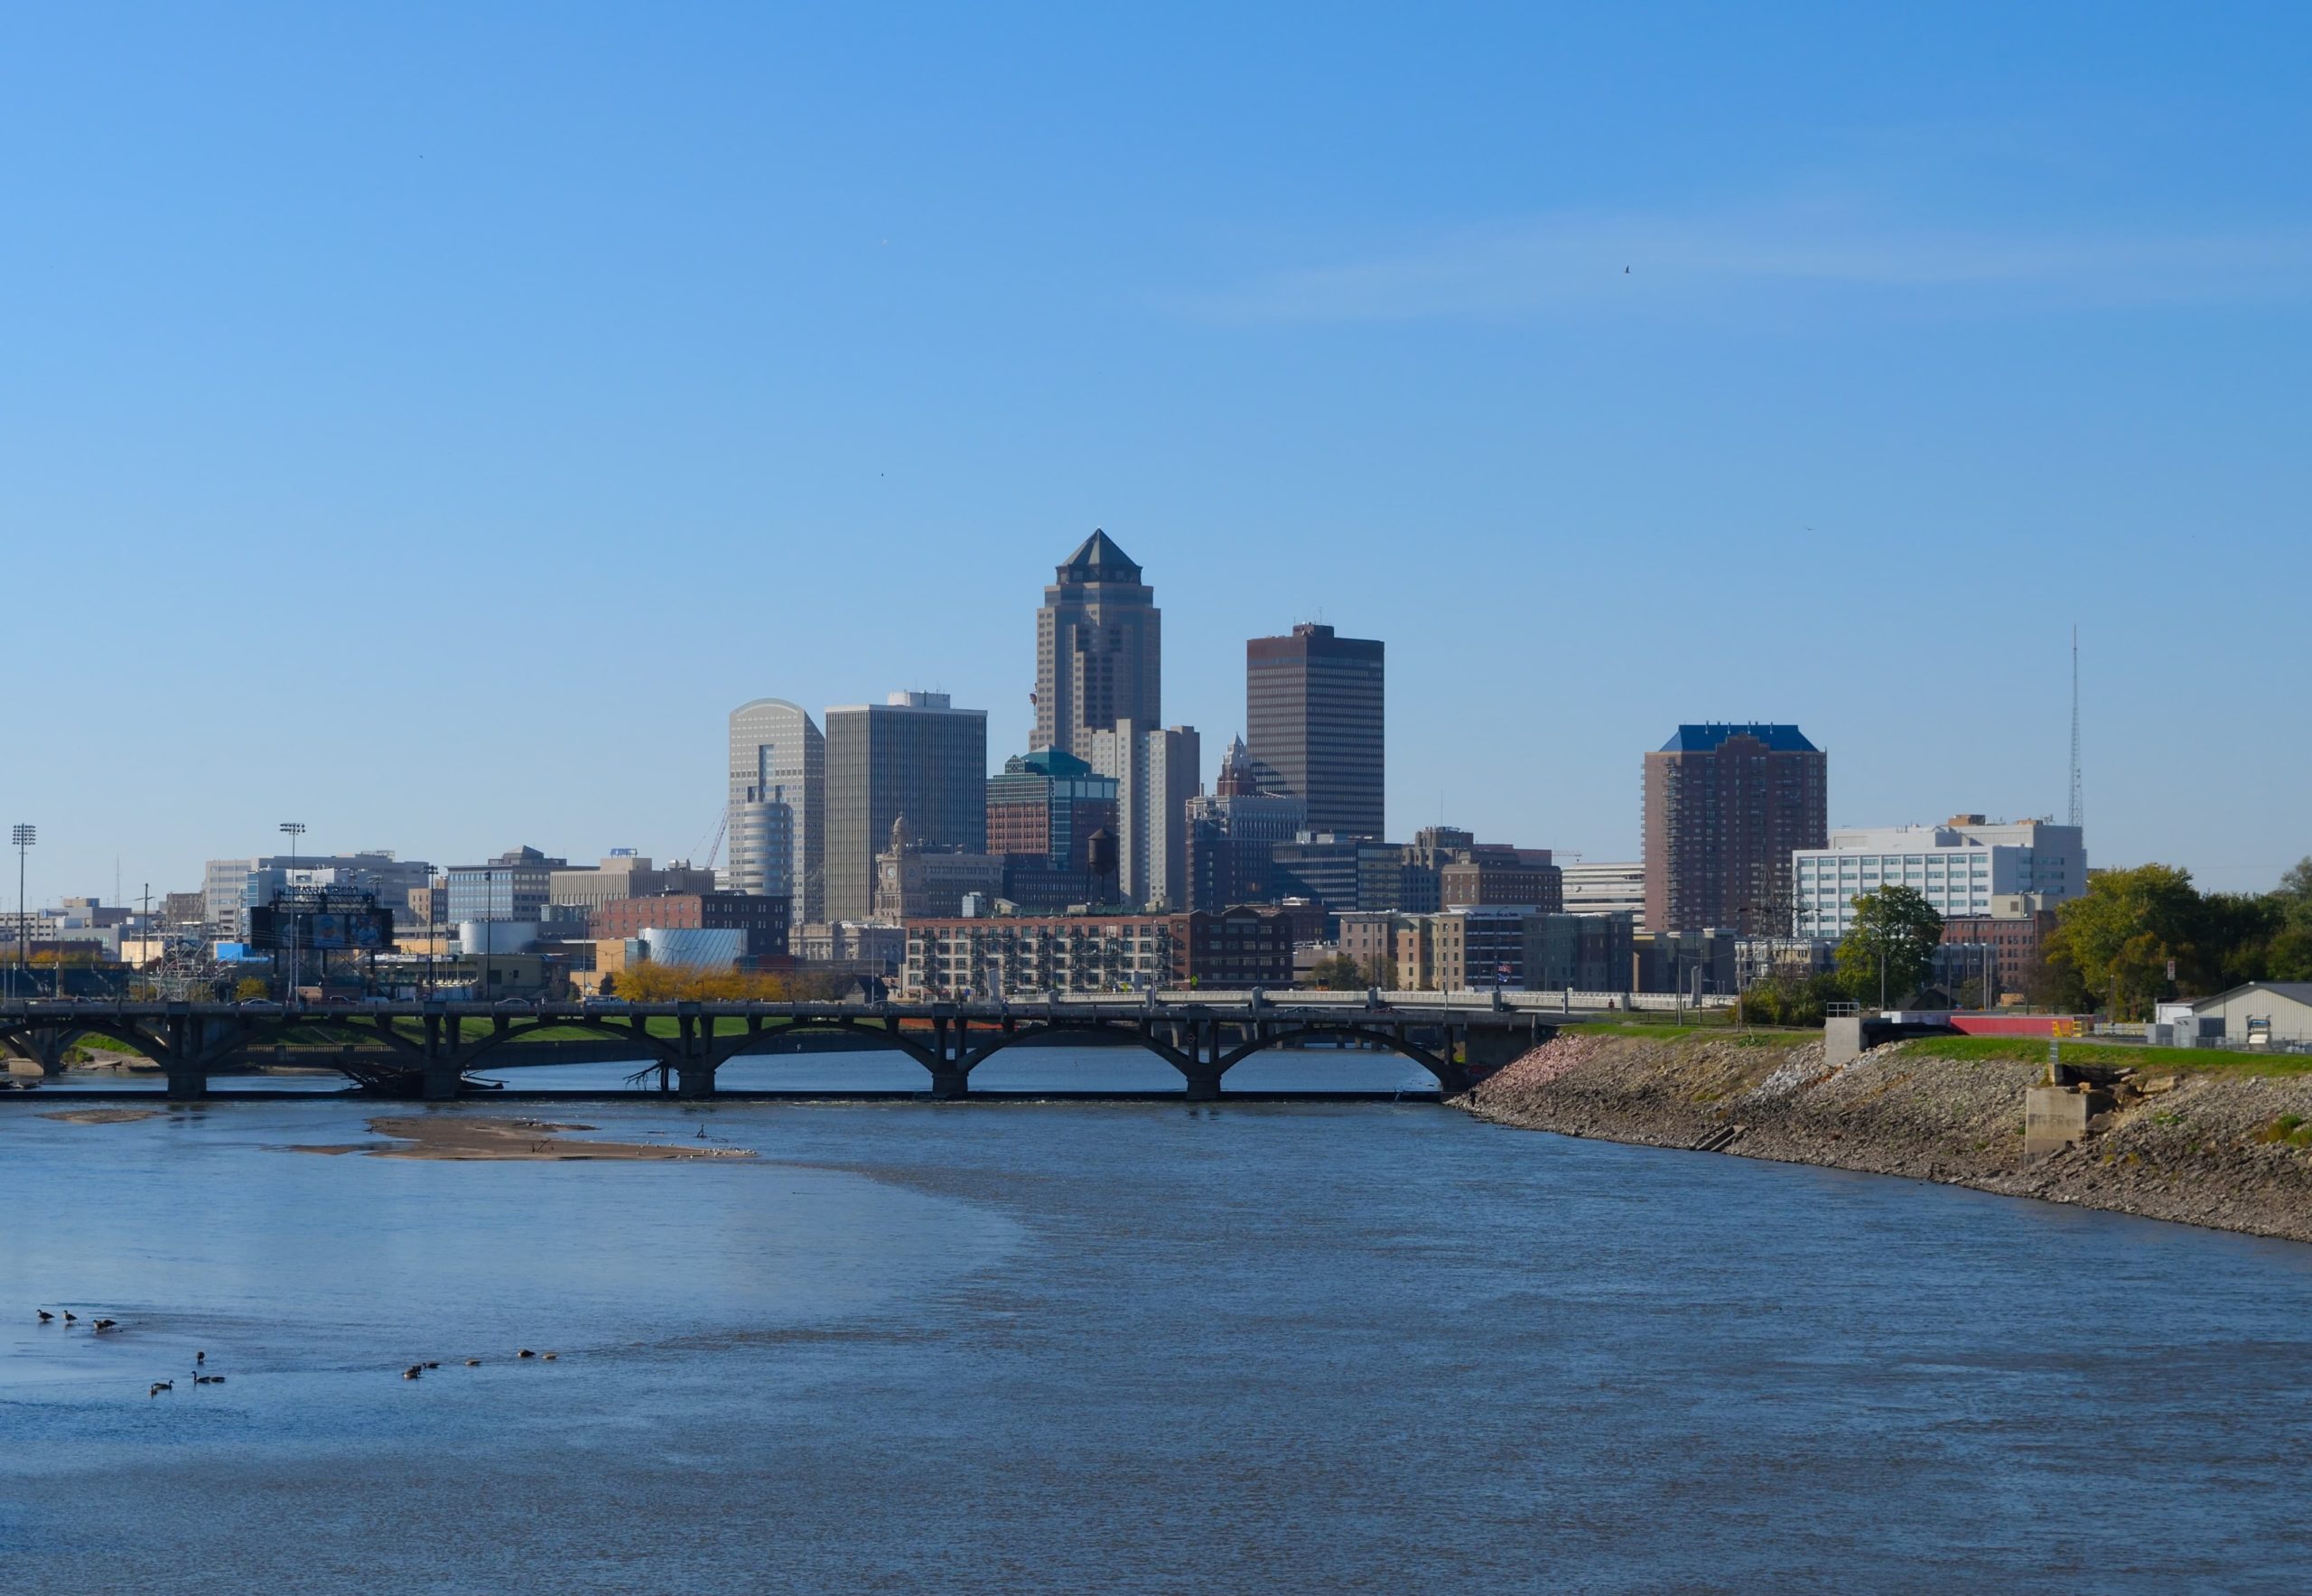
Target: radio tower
x,y
2078,810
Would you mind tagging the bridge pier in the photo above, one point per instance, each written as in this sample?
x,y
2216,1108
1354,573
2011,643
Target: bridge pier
x,y
188,1083
694,1078
442,1077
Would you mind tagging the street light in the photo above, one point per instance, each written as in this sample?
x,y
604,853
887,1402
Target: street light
x,y
292,829
23,836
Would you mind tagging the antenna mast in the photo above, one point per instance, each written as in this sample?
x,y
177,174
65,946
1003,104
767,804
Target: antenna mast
x,y
2078,810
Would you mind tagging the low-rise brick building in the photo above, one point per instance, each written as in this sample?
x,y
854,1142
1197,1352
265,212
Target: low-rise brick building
x,y
763,920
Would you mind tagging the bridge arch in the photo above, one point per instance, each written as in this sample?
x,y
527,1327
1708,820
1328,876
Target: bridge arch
x,y
1111,1032
741,1044
1451,1078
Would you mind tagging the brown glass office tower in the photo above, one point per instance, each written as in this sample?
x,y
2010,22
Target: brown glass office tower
x,y
1313,726
1725,806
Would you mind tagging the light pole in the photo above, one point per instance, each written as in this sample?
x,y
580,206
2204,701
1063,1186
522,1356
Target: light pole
x,y
23,836
292,829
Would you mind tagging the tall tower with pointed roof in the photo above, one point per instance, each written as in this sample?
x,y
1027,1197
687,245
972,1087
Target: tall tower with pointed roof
x,y
1099,649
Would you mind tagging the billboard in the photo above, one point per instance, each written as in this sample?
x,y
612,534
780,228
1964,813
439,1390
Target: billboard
x,y
361,929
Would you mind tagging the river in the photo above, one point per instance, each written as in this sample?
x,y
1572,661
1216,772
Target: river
x,y
1117,1346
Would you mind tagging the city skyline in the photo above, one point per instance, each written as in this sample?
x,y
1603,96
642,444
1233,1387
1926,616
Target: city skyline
x,y
1780,337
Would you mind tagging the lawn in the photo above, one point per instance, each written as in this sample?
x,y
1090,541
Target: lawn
x,y
2033,1049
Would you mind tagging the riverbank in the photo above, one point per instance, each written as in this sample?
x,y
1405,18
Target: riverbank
x,y
2217,1145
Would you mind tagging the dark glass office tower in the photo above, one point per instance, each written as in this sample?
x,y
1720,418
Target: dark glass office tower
x,y
915,758
1313,722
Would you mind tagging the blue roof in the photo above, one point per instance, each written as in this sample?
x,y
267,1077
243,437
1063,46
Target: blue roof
x,y
1703,738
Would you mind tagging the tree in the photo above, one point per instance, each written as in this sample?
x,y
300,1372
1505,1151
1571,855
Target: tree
x,y
2119,937
1337,974
1889,951
249,989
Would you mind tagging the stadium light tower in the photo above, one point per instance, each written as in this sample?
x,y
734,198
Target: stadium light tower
x,y
23,836
292,830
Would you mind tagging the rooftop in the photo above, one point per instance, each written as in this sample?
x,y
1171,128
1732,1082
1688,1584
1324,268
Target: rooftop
x,y
1713,734
1098,559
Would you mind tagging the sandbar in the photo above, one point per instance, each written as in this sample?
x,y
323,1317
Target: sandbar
x,y
455,1137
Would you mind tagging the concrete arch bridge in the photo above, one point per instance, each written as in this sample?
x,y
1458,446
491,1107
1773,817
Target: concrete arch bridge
x,y
428,1050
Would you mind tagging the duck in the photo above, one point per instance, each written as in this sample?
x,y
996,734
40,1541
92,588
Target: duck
x,y
44,1314
473,1362
550,1356
411,1372
526,1352
161,1385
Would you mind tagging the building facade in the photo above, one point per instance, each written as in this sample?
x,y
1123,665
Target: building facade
x,y
1099,649
2007,943
1020,955
517,885
1727,805
763,920
915,755
1046,804
1315,725
916,881
778,754
1959,867
573,892
1155,770
232,886
1605,887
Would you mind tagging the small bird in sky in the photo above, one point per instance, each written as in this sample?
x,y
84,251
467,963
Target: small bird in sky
x,y
1624,271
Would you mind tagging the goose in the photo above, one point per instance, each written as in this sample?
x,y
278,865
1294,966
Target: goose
x,y
161,1385
103,1325
411,1372
208,1379
550,1356
44,1314
473,1362
201,1358
434,1366
70,1316
526,1352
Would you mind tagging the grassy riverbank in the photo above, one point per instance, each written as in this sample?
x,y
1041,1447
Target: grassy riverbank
x,y
2200,1137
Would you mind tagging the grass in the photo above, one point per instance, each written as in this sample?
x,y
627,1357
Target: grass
x,y
2033,1049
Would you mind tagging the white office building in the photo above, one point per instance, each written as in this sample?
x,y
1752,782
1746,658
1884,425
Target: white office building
x,y
1958,867
1155,769
779,757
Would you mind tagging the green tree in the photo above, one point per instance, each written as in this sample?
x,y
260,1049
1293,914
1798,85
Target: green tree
x,y
2119,937
1890,948
1337,974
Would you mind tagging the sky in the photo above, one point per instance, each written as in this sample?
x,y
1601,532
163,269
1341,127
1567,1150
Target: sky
x,y
427,422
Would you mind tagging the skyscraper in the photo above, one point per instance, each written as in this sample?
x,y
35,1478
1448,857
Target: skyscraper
x,y
1099,649
1155,769
915,756
778,756
1313,718
1726,804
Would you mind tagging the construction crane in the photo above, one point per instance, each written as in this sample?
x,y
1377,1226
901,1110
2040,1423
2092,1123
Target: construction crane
x,y
714,849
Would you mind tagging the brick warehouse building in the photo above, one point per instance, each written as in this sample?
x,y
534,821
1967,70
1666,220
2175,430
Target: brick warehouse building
x,y
1726,805
763,920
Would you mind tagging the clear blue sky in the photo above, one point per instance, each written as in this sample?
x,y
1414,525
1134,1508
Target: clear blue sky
x,y
426,422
